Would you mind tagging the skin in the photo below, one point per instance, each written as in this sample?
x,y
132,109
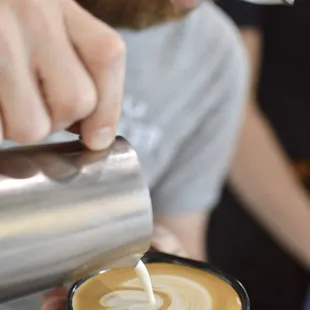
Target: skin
x,y
63,68
277,200
56,71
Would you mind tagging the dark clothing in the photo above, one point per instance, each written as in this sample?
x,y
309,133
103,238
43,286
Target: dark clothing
x,y
237,243
283,92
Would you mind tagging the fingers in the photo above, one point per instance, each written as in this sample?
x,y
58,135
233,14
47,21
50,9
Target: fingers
x,y
103,52
24,117
58,66
67,86
55,300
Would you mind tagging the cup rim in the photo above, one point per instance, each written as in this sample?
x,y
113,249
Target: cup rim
x,y
159,257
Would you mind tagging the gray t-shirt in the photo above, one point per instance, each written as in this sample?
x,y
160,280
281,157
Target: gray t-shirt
x,y
184,94
185,88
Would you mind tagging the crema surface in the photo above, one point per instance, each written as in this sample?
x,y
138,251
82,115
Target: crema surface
x,y
176,287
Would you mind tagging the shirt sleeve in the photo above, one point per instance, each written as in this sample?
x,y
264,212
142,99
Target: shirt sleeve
x,y
244,14
193,181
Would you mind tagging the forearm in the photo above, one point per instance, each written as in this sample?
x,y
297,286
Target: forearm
x,y
261,174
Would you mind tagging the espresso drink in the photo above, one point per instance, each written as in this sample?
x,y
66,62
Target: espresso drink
x,y
176,287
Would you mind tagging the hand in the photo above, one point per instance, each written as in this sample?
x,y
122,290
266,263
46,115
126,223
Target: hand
x,y
165,241
59,66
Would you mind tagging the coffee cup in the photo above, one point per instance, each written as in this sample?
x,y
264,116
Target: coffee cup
x,y
178,283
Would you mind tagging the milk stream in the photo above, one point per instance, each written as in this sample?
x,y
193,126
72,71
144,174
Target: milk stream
x,y
145,279
183,293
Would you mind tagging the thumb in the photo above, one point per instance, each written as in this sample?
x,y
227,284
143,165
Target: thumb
x,y
103,53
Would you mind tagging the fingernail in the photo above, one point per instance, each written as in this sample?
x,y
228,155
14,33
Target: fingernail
x,y
101,139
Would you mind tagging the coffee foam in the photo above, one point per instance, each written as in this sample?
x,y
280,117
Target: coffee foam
x,y
184,294
176,287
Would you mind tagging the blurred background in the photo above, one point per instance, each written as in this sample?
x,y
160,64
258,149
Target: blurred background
x,y
259,231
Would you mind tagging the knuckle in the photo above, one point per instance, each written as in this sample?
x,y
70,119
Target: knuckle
x,y
109,49
27,8
23,132
74,106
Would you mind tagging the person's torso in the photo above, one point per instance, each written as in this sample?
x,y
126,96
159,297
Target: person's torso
x,y
173,76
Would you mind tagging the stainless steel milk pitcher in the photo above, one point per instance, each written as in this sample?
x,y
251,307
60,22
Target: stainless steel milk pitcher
x,y
66,212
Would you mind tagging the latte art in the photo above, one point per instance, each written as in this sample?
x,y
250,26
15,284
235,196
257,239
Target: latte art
x,y
183,294
129,300
176,287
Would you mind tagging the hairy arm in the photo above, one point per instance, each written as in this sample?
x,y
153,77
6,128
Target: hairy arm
x,y
262,175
